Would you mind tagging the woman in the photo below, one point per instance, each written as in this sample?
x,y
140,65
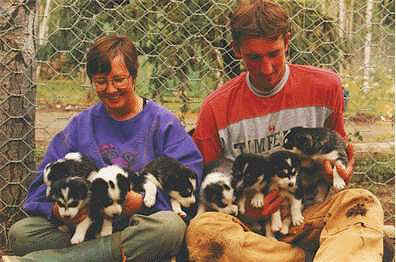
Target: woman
x,y
124,129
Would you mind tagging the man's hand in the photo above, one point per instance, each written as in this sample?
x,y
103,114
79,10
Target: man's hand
x,y
272,202
345,173
81,215
133,203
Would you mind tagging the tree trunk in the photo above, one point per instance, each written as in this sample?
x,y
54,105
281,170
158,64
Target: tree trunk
x,y
341,18
43,32
367,46
17,108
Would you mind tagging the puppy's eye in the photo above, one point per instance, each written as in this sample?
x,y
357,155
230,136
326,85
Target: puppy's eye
x,y
73,204
60,204
108,202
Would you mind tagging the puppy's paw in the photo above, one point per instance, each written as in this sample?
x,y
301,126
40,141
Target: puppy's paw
x,y
258,201
182,214
276,225
297,219
241,208
149,200
77,238
285,229
234,210
338,182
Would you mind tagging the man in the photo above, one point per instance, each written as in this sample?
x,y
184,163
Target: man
x,y
252,113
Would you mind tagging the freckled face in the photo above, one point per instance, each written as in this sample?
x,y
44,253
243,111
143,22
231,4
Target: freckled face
x,y
264,59
120,100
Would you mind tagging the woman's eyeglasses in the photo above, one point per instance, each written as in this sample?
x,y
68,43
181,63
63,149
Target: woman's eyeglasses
x,y
118,81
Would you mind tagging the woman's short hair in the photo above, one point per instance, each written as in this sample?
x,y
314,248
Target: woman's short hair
x,y
103,51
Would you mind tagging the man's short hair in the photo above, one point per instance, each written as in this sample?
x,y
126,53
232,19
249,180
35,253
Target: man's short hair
x,y
261,18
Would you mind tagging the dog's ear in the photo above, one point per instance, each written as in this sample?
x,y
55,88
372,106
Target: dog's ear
x,y
213,192
81,186
123,183
98,188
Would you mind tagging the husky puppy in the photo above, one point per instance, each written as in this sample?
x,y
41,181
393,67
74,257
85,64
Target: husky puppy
x,y
73,164
286,167
251,173
316,145
171,176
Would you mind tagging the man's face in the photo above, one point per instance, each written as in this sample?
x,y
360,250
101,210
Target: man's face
x,y
265,59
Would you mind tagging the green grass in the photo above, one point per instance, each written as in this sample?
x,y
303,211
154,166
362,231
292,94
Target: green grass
x,y
64,92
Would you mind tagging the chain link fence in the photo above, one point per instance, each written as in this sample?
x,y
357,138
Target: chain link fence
x,y
184,53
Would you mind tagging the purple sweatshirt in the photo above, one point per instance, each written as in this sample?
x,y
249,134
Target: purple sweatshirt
x,y
131,144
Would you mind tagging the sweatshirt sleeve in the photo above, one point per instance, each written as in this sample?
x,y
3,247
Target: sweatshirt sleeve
x,y
175,142
36,203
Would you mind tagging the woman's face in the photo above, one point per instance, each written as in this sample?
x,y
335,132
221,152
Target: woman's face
x,y
116,90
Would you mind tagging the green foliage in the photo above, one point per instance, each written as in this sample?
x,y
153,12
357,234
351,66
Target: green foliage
x,y
378,101
314,35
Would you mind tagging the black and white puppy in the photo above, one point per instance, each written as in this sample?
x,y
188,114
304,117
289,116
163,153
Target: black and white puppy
x,y
109,187
251,174
319,144
217,193
73,164
286,167
71,195
67,184
171,176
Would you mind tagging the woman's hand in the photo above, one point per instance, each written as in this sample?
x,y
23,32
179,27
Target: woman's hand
x,y
133,203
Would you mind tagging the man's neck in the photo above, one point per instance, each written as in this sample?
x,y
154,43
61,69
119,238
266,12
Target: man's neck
x,y
273,91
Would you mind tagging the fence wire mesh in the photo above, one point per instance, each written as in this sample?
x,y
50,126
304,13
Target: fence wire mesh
x,y
184,53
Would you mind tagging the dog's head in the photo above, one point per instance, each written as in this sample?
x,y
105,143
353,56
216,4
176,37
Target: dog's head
x,y
109,187
250,172
73,164
286,166
70,194
308,141
217,193
297,140
182,185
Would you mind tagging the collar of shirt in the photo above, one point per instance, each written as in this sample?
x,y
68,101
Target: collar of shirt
x,y
273,91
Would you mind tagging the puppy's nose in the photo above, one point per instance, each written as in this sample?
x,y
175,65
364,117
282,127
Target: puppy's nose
x,y
67,217
291,184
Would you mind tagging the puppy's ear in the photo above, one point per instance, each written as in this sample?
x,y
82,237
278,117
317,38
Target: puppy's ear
x,y
123,182
212,192
98,188
81,186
